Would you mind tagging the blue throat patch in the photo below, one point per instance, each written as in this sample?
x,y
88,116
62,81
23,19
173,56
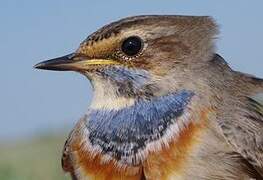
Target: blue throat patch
x,y
122,133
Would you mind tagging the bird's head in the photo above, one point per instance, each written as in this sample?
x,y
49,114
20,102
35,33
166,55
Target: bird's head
x,y
141,57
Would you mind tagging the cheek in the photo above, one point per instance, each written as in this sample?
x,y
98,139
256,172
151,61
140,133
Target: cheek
x,y
156,62
164,52
127,75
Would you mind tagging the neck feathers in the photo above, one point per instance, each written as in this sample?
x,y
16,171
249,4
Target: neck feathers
x,y
118,87
124,134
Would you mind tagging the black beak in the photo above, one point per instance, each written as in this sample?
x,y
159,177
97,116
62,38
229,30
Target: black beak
x,y
58,64
74,62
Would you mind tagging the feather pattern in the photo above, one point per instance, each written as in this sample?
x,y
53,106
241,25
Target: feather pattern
x,y
123,133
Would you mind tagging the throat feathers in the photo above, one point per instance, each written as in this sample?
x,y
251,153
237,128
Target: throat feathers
x,y
125,134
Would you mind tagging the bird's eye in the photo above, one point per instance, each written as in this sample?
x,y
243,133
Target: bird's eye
x,y
132,46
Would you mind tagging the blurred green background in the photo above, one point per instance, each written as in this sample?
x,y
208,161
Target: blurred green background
x,y
32,159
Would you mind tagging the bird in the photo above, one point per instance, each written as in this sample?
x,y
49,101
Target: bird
x,y
165,105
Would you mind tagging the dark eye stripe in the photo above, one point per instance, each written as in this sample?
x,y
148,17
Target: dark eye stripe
x,y
132,46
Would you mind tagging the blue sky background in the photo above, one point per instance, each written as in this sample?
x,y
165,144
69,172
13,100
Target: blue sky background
x,y
33,101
